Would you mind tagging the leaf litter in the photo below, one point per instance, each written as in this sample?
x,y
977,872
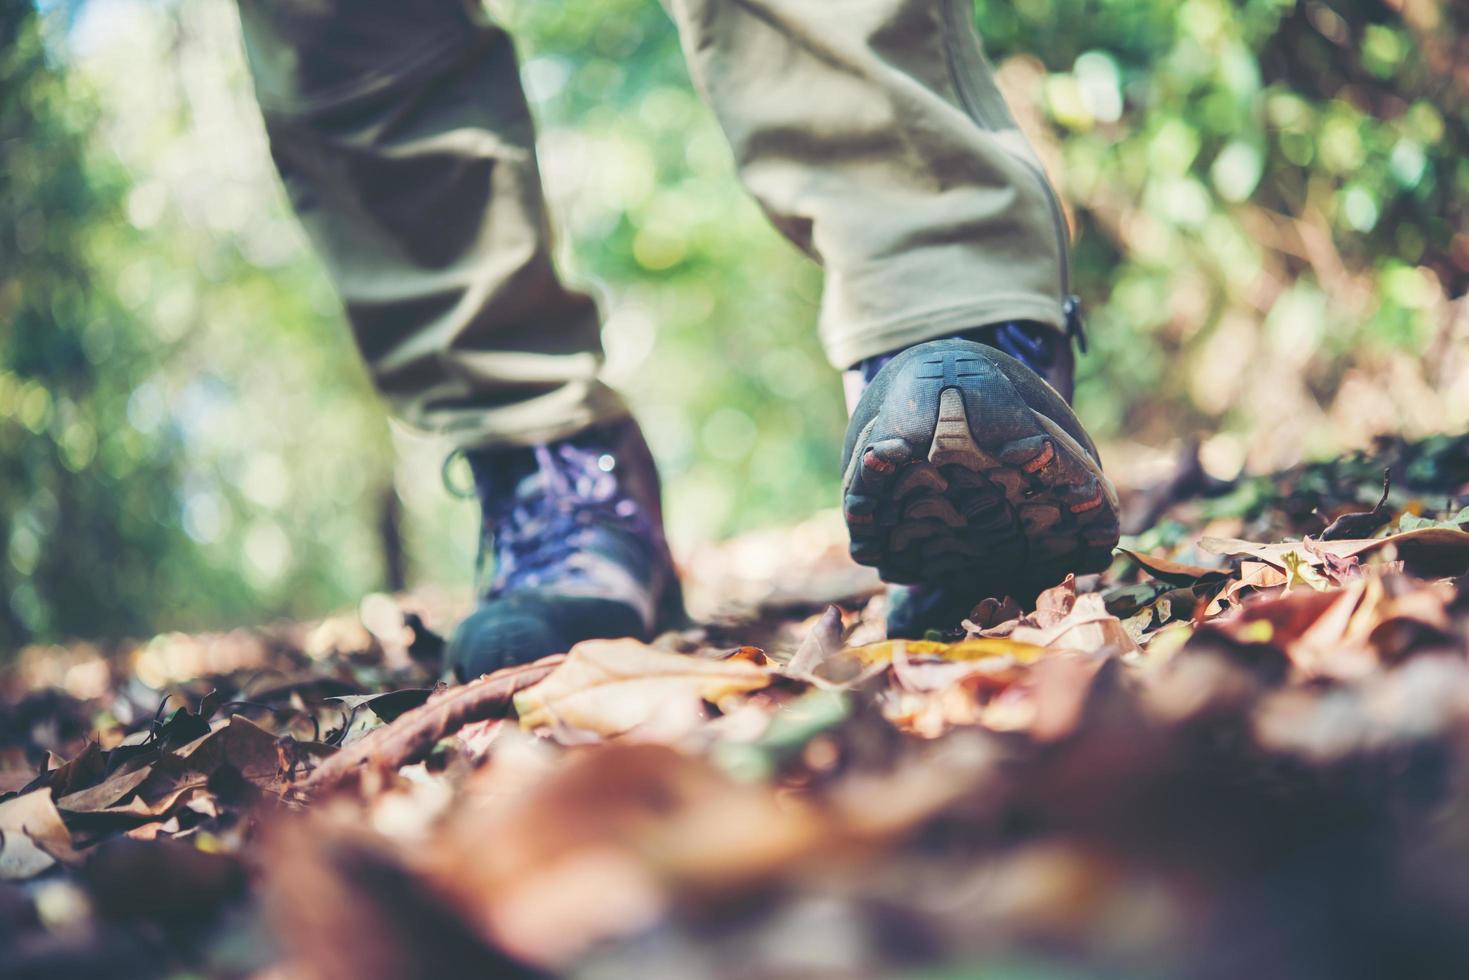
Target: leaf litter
x,y
1241,750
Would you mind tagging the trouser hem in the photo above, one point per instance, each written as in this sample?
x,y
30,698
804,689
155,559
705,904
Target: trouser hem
x,y
853,346
516,426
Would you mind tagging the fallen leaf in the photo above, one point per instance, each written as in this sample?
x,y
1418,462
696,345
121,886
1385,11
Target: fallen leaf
x,y
1433,552
32,836
1128,600
982,648
153,787
1322,632
917,671
991,614
1298,572
1336,570
240,743
1054,604
1064,688
349,908
788,732
822,643
388,706
154,829
639,822
162,881
1411,522
85,769
109,791
750,654
612,686
1254,576
1087,627
1172,572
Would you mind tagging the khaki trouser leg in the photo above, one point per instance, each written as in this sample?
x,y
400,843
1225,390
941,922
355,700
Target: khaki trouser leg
x,y
873,135
870,131
403,138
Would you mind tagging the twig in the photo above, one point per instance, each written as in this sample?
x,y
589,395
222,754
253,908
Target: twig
x,y
413,735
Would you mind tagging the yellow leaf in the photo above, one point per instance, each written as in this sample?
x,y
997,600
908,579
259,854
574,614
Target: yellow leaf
x,y
982,648
1299,572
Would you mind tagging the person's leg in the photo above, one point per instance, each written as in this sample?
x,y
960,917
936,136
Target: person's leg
x,y
404,141
405,144
872,133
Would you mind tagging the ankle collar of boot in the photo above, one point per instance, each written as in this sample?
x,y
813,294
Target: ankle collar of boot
x,y
1032,344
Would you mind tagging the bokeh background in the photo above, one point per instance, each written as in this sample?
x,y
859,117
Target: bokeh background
x,y
1270,200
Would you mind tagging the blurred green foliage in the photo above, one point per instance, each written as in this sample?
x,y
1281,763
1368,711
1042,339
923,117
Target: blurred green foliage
x,y
1255,183
89,513
1269,199
168,371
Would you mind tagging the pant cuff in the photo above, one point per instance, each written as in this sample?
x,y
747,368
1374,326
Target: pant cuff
x,y
528,423
846,348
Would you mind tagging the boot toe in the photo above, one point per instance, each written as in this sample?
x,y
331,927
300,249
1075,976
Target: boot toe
x,y
512,630
969,476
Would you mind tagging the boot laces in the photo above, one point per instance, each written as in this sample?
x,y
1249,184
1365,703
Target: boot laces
x,y
555,514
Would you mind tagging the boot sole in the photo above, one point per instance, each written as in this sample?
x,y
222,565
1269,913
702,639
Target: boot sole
x,y
1004,508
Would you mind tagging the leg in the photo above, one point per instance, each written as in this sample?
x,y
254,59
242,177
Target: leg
x,y
872,133
405,144
874,137
403,137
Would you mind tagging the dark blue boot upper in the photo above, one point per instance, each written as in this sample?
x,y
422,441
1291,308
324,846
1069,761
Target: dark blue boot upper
x,y
573,534
1044,350
915,609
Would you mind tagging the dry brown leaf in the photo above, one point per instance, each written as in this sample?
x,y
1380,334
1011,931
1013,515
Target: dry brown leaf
x,y
640,822
238,742
32,836
1257,575
1254,576
1325,646
106,793
1435,551
1064,687
1002,660
824,659
993,617
1279,620
1087,627
85,769
1335,632
823,642
613,686
1167,570
349,907
1053,605
153,788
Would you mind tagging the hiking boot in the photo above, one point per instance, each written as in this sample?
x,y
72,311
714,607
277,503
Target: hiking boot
x,y
968,476
574,530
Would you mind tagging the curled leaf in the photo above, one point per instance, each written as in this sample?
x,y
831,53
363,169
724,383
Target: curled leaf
x,y
32,836
612,686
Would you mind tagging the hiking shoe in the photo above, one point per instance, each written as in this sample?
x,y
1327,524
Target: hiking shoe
x,y
968,476
574,530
